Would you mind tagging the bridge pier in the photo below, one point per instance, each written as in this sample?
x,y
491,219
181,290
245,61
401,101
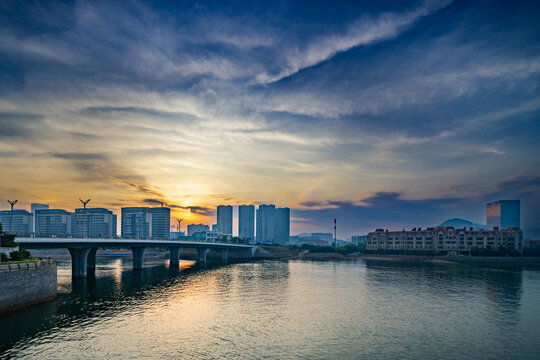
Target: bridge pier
x,y
92,260
79,261
175,256
138,253
201,254
224,255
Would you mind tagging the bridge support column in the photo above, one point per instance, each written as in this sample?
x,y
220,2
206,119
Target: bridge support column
x,y
175,256
224,255
79,261
201,254
138,252
92,260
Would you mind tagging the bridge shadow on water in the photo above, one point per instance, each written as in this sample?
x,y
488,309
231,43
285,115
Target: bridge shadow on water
x,y
112,289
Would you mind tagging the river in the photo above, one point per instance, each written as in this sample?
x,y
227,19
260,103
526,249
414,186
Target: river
x,y
283,310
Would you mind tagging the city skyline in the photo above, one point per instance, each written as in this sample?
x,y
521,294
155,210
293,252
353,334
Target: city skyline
x,y
378,114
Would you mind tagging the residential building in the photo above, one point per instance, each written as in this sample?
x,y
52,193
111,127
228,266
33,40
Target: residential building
x,y
199,235
176,235
213,236
266,224
146,223
283,225
196,228
94,222
19,222
53,222
225,219
161,222
503,214
33,208
136,223
445,239
246,222
319,239
358,239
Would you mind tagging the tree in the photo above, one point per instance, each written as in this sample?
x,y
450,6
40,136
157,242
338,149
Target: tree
x,y
7,240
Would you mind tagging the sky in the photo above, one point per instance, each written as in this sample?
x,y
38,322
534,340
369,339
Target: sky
x,y
380,114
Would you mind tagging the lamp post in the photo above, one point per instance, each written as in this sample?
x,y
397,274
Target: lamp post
x,y
12,203
85,202
335,234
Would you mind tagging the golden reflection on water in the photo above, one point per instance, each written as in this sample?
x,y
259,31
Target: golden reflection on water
x,y
278,310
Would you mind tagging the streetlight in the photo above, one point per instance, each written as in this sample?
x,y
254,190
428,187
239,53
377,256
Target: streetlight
x,y
84,202
12,203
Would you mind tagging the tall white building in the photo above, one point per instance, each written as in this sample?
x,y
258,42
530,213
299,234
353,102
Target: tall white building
x,y
283,225
266,224
225,219
246,222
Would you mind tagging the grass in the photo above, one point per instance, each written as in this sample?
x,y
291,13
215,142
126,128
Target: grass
x,y
19,261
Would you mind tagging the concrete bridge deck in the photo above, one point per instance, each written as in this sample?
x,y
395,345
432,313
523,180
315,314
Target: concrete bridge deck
x,y
83,251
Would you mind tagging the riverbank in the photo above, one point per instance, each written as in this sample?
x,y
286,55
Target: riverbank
x,y
23,284
273,252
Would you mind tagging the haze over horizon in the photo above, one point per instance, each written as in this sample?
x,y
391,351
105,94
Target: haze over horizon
x,y
380,115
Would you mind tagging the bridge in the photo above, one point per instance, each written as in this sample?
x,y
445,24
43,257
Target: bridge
x,y
83,251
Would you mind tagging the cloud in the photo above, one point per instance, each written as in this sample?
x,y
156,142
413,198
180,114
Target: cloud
x,y
19,125
362,32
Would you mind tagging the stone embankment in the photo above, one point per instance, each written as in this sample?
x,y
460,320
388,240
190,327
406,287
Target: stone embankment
x,y
27,283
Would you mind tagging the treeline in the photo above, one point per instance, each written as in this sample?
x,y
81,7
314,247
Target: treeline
x,y
532,251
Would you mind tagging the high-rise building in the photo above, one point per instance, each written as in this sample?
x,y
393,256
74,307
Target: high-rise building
x,y
53,222
266,224
161,222
283,225
33,208
196,228
146,223
503,214
16,221
136,223
94,222
246,222
225,219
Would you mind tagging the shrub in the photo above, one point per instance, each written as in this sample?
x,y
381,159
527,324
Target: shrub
x,y
25,254
15,256
4,258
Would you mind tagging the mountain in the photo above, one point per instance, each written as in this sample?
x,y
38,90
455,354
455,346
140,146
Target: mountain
x,y
458,223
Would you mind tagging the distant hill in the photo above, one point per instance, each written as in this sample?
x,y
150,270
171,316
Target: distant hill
x,y
461,223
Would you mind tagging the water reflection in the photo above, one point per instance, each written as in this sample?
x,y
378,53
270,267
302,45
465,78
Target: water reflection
x,y
373,309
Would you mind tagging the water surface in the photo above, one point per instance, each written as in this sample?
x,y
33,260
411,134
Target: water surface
x,y
284,310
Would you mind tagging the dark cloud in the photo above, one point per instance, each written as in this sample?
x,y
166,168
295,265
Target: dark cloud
x,y
14,125
201,210
313,203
